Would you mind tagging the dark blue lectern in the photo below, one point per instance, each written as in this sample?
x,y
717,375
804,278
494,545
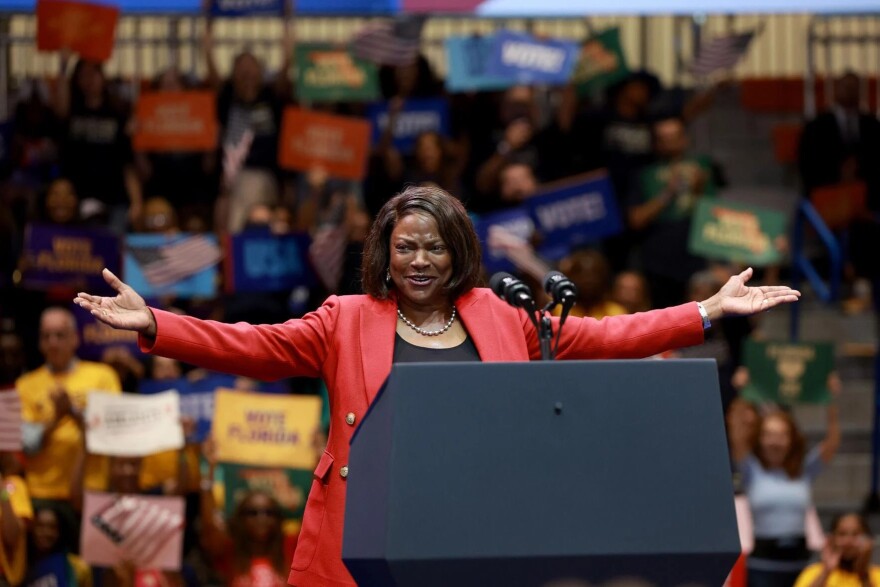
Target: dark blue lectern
x,y
543,474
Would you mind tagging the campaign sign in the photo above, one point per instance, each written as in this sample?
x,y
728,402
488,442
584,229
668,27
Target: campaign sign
x,y
133,425
247,7
49,571
325,73
339,144
736,232
787,373
140,529
85,28
517,222
96,337
573,212
601,63
525,59
183,265
416,117
259,261
61,256
175,122
468,66
266,430
289,486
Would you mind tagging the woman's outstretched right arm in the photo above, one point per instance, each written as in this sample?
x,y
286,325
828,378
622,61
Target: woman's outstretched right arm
x,y
267,352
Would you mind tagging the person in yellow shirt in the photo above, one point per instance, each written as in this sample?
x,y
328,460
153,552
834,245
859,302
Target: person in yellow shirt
x,y
52,398
846,558
15,513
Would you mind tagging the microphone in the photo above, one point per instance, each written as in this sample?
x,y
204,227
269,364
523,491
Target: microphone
x,y
560,288
512,290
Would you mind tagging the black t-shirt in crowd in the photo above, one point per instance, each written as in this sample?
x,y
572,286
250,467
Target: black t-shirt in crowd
x,y
262,117
95,152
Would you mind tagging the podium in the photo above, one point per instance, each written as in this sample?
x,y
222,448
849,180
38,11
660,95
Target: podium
x,y
542,474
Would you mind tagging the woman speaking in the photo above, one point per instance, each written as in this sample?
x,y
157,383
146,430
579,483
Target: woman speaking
x,y
421,269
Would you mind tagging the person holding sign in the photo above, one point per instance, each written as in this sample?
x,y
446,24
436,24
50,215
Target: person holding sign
x,y
421,271
776,471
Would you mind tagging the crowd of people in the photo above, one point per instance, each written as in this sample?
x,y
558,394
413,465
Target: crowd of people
x,y
72,163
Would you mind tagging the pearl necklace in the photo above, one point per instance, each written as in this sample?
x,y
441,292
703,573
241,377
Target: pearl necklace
x,y
424,332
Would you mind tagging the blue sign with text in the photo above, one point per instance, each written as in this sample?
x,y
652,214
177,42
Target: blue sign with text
x,y
525,59
416,117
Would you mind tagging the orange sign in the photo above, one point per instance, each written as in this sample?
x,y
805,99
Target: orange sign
x,y
85,29
339,144
175,121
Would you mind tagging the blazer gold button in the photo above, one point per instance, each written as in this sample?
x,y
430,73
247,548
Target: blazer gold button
x,y
350,418
343,471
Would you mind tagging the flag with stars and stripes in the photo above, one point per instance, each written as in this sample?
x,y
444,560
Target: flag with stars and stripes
x,y
721,53
137,527
390,42
172,262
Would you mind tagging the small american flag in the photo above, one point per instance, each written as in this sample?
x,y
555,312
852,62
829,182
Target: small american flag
x,y
137,527
394,42
721,53
10,421
327,253
176,261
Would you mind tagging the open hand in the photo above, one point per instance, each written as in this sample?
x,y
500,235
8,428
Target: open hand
x,y
735,298
126,311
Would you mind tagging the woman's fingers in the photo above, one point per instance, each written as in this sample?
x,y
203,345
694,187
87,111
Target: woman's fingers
x,y
113,281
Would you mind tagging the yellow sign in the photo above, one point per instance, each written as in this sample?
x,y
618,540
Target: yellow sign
x,y
266,429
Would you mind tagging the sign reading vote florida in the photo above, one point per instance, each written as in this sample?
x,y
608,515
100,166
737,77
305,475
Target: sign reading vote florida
x,y
328,74
96,337
132,425
525,59
85,28
261,261
416,117
785,372
266,430
175,121
468,66
246,7
339,144
736,232
73,257
573,212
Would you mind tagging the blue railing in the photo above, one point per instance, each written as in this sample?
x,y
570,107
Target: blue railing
x,y
801,266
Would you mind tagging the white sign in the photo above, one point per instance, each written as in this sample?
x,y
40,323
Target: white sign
x,y
131,425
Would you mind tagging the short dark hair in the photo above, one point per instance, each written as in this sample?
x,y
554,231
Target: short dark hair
x,y
456,230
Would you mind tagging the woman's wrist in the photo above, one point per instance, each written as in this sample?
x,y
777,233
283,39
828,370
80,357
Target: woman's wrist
x,y
713,308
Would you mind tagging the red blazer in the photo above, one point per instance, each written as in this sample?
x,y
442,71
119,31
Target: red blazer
x,y
349,342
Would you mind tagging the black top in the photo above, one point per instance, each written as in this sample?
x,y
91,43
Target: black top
x,y
405,352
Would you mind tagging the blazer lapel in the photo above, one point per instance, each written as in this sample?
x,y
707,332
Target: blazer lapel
x,y
377,334
483,325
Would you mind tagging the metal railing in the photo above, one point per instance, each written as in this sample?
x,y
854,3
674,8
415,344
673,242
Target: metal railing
x,y
802,267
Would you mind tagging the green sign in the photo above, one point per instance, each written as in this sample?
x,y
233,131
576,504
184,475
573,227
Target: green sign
x,y
331,74
736,232
788,373
289,486
601,64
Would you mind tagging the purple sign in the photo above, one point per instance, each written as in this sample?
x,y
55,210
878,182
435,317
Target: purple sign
x,y
72,257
